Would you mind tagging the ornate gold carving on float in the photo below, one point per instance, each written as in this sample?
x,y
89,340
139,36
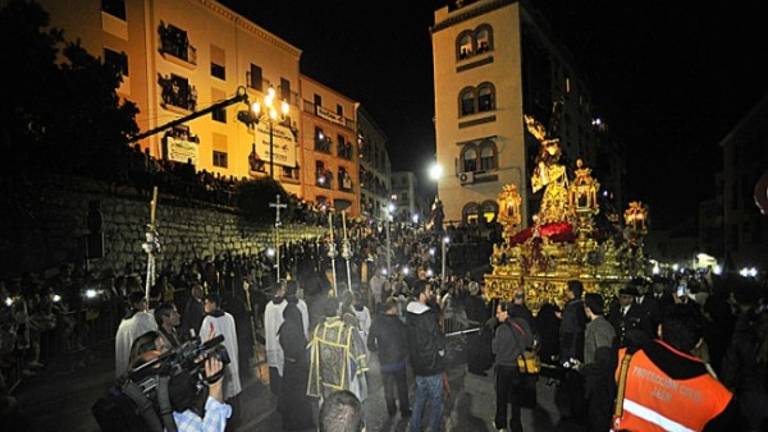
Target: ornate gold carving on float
x,y
562,244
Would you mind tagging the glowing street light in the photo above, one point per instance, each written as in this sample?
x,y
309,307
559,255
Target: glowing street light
x,y
90,293
717,270
267,110
270,252
435,172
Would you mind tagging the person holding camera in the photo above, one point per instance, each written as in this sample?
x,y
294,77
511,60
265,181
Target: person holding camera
x,y
183,390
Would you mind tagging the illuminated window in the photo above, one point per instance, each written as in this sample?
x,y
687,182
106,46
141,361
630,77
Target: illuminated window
x,y
489,211
470,213
484,38
464,46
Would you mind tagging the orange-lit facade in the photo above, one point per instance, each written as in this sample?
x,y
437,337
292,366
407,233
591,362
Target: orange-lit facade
x,y
329,147
184,55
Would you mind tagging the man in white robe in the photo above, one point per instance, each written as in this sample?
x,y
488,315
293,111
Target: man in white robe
x,y
273,319
131,327
217,322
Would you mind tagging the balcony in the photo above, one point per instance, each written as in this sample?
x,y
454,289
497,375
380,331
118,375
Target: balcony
x,y
176,92
323,145
174,42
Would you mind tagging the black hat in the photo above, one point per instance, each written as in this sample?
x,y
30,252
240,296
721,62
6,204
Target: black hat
x,y
629,289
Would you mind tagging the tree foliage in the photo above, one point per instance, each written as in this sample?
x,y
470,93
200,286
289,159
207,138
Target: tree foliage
x,y
253,197
61,112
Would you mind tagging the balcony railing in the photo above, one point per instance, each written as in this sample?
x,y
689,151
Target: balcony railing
x,y
177,92
175,42
323,145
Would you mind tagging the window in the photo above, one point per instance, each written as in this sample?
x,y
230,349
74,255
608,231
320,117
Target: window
x,y
220,115
464,47
470,213
119,60
219,159
486,97
218,71
318,100
469,158
322,142
467,101
175,41
489,211
255,75
345,180
339,109
488,156
116,8
324,177
285,89
290,172
176,91
484,38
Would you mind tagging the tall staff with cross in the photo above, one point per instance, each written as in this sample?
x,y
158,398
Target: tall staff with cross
x,y
332,256
277,206
152,244
346,250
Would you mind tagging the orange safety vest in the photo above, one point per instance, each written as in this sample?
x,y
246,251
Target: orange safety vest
x,y
649,400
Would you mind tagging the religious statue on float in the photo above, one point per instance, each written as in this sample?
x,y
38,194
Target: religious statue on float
x,y
510,216
550,175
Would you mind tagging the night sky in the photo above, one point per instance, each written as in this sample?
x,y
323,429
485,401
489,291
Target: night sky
x,y
670,79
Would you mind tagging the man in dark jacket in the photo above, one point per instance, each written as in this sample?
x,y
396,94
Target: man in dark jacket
x,y
427,347
628,320
193,312
389,337
512,337
572,347
573,324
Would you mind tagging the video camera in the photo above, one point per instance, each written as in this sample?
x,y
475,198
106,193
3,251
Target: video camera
x,y
134,402
189,357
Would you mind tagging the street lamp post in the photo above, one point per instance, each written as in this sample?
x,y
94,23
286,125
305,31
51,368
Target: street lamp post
x,y
444,244
390,209
270,115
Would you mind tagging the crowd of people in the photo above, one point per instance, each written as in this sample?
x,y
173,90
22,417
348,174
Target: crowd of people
x,y
614,361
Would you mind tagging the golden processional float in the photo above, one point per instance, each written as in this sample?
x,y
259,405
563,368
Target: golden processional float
x,y
563,242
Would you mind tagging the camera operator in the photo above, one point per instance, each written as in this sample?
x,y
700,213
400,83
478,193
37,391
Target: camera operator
x,y
183,391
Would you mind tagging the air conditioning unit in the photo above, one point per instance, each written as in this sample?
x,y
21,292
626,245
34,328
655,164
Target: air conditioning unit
x,y
467,177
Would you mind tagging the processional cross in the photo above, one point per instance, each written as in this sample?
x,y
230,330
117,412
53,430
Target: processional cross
x,y
277,206
346,250
152,244
332,254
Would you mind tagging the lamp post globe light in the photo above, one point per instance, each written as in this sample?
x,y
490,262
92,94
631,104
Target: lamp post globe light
x,y
435,174
267,111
